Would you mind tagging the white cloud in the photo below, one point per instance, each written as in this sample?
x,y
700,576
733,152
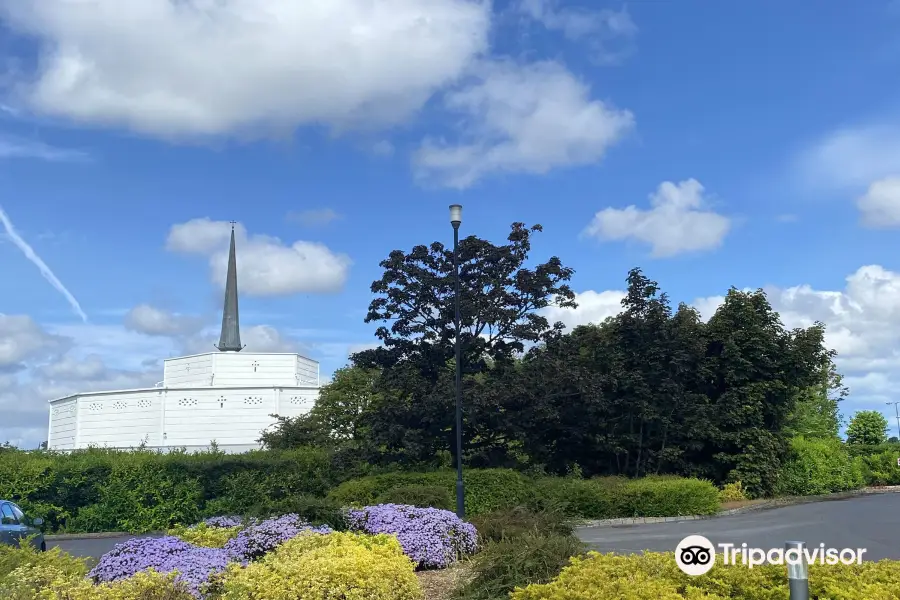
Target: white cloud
x,y
609,33
22,339
314,217
57,365
879,207
155,321
521,119
200,68
16,147
676,223
851,157
593,307
266,266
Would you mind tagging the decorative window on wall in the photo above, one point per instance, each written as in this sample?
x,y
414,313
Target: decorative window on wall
x,y
297,400
255,365
222,401
145,403
187,402
120,405
253,400
95,406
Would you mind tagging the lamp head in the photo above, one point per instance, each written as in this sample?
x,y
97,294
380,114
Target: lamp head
x,y
456,214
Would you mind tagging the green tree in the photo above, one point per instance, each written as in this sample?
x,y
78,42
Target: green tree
x,y
816,412
501,312
867,427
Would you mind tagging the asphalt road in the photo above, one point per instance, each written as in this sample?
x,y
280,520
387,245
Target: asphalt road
x,y
870,522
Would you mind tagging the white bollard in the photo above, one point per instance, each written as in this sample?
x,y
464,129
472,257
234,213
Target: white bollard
x,y
798,570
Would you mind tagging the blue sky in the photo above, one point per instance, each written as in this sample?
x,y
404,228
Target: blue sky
x,y
713,144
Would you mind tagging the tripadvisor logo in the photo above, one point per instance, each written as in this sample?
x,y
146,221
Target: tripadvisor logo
x,y
696,555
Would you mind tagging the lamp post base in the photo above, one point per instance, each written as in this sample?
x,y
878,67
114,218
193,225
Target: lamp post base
x,y
460,500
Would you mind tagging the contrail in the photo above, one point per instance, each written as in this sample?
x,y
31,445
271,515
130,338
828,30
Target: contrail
x,y
30,254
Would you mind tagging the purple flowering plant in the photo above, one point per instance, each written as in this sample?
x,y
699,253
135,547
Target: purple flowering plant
x,y
432,537
223,522
194,565
257,539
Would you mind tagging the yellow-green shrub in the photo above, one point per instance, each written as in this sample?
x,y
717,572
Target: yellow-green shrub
x,y
205,536
655,575
337,566
146,585
732,492
12,558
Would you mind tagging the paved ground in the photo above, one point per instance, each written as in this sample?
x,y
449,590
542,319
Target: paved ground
x,y
870,522
89,548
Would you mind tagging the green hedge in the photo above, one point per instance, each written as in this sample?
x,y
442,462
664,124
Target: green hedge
x,y
614,497
105,490
819,466
498,489
487,490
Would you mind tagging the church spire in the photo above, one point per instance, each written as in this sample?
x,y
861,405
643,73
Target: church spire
x,y
230,339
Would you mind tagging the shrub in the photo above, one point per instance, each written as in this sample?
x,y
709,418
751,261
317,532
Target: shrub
x,y
651,576
732,492
487,490
818,466
193,564
613,497
260,538
500,525
337,565
12,558
141,491
429,536
205,536
529,558
880,468
147,585
317,511
423,496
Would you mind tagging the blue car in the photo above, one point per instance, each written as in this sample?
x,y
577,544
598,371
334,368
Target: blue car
x,y
15,526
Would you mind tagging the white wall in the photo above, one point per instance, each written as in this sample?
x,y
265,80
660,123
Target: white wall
x,y
188,371
120,420
63,419
176,417
238,368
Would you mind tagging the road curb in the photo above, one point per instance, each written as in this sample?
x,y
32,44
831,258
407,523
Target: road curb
x,y
770,504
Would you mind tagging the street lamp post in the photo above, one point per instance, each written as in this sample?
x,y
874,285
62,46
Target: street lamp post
x,y
456,220
896,412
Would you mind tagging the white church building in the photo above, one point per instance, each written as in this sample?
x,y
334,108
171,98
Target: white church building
x,y
226,397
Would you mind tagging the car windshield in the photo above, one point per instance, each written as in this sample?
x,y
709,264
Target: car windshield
x,y
20,516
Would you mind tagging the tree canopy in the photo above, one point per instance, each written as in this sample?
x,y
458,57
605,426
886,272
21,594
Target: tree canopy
x,y
652,390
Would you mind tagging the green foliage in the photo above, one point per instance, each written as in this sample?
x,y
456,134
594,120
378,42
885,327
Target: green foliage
x,y
868,427
880,468
655,576
487,490
612,497
732,492
530,558
816,413
434,496
819,466
105,490
516,522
